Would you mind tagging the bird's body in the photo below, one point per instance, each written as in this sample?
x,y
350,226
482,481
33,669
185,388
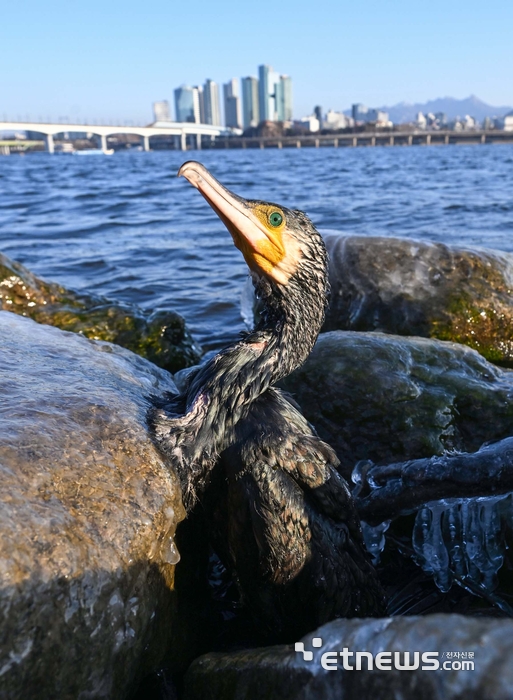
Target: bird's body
x,y
281,516
284,521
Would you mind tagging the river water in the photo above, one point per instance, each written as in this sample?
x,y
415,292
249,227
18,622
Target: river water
x,y
126,227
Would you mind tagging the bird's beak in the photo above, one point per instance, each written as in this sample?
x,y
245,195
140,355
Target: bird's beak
x,y
249,234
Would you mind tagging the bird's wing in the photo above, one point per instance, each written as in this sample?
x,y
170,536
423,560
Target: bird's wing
x,y
297,510
286,441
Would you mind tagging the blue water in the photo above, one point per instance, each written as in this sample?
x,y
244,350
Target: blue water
x,y
126,227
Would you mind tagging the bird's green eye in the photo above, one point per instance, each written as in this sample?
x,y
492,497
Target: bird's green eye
x,y
275,219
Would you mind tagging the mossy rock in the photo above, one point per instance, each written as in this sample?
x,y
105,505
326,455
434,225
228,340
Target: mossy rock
x,y
408,287
161,337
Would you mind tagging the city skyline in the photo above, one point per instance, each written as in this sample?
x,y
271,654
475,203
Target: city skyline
x,y
245,103
402,113
376,54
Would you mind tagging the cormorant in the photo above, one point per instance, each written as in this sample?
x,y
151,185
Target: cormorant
x,y
280,515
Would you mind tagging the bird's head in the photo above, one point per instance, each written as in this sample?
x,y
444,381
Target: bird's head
x,y
278,244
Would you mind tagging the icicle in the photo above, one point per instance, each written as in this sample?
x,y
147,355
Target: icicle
x,y
462,539
374,538
429,544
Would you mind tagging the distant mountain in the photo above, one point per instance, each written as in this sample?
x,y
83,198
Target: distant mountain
x,y
405,112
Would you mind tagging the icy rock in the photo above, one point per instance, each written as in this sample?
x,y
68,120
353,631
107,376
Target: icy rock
x,y
408,287
398,401
88,513
387,398
281,673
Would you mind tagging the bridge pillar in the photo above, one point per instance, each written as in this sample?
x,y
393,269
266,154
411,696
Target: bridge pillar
x,y
104,143
446,139
298,144
410,140
183,141
335,143
391,142
355,141
428,140
198,142
280,144
483,138
49,143
373,141
146,143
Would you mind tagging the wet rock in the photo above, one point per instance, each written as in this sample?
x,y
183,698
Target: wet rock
x,y
409,287
411,415
389,399
386,492
88,513
161,336
280,673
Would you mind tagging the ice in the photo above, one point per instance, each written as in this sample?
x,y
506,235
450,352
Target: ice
x,y
461,540
374,538
247,304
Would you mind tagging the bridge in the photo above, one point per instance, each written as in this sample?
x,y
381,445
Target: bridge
x,y
369,138
221,137
179,130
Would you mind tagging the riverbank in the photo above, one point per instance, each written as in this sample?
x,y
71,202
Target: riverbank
x,y
382,137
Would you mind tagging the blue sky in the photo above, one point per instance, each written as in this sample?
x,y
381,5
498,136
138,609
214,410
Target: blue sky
x,y
110,60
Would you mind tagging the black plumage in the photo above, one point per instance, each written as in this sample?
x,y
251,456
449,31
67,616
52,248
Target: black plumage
x,y
281,517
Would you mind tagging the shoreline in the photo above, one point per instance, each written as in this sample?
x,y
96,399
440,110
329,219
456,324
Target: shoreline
x,y
189,141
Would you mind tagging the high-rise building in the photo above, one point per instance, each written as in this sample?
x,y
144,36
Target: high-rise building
x,y
161,111
201,101
232,116
337,120
274,95
365,115
263,91
211,100
187,104
359,112
283,99
267,80
318,113
377,116
251,114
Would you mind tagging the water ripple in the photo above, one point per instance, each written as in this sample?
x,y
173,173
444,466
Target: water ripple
x,y
126,227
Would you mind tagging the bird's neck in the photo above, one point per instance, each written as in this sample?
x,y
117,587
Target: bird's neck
x,y
223,390
281,341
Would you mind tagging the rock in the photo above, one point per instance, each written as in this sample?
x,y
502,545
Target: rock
x,y
389,399
280,673
409,287
421,409
161,336
399,489
88,514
